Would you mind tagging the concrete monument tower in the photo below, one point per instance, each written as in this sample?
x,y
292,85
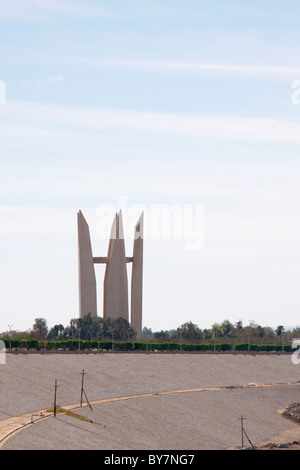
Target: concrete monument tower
x,y
137,277
115,300
86,271
115,287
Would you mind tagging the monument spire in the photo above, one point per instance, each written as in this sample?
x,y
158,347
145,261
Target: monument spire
x,y
87,278
115,301
115,286
137,277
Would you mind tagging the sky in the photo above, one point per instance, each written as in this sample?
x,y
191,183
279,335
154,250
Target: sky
x,y
186,110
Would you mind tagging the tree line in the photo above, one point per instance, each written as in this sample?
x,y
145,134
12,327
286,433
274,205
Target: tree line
x,y
226,331
91,328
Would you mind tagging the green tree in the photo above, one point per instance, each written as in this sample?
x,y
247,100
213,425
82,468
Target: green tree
x,y
122,329
108,325
39,329
56,332
207,333
269,334
279,330
161,335
217,330
147,332
190,331
239,327
227,328
97,328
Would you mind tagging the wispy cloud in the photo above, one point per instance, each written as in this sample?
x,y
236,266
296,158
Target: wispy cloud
x,y
55,78
32,10
254,189
23,9
85,120
254,70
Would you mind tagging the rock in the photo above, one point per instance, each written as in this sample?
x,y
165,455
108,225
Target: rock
x,y
292,412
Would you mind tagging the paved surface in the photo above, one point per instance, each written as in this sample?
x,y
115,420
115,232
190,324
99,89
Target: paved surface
x,y
168,413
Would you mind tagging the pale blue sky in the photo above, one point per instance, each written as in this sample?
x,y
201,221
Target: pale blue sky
x,y
165,102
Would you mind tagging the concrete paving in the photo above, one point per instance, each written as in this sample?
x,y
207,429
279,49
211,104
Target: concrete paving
x,y
182,401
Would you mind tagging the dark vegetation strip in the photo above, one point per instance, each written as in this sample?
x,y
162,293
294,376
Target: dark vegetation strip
x,y
84,345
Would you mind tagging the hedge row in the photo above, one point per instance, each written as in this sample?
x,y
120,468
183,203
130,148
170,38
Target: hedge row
x,y
73,345
262,347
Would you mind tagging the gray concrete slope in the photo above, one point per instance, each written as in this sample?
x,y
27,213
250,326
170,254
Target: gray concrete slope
x,y
194,420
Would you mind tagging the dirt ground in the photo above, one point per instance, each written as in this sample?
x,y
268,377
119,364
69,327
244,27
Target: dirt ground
x,y
152,401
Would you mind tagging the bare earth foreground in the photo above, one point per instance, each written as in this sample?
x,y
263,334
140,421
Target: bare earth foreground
x,y
147,401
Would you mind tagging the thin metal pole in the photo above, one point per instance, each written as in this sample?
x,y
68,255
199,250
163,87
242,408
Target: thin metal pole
x,y
81,395
55,388
83,391
88,401
248,439
244,432
242,429
10,327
